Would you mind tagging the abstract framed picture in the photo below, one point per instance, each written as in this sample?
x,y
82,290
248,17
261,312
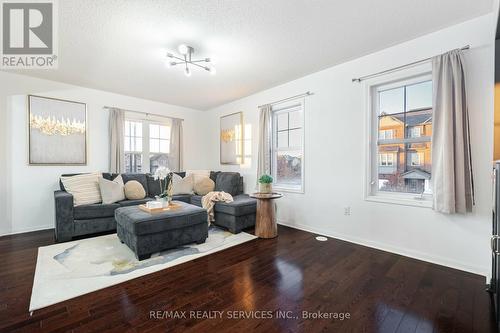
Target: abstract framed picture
x,y
231,138
57,131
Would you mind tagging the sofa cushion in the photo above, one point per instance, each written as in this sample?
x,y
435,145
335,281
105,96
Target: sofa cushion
x,y
109,176
94,211
213,175
196,200
182,197
154,188
228,182
140,177
125,203
242,205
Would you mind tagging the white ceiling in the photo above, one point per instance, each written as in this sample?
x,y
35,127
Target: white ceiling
x,y
120,46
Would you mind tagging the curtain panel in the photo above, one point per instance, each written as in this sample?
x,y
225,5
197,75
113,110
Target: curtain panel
x,y
264,153
116,140
175,155
453,186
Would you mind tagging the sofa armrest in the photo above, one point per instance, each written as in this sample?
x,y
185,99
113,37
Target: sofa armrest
x,y
64,215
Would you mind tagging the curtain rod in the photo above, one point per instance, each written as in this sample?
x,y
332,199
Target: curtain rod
x,y
145,113
308,93
362,78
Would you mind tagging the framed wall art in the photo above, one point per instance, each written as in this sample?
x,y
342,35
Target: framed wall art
x,y
231,138
57,131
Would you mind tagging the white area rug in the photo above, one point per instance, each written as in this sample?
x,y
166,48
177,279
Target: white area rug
x,y
68,270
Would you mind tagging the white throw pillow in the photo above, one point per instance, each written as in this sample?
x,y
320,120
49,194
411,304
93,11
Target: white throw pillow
x,y
84,188
182,185
112,190
198,174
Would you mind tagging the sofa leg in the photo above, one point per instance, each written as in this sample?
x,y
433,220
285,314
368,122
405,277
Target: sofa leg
x,y
143,257
235,231
201,241
62,238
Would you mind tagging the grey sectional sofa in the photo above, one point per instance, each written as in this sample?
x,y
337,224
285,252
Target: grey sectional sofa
x,y
90,219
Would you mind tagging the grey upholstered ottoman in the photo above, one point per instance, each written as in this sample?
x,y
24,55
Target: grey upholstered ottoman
x,y
147,233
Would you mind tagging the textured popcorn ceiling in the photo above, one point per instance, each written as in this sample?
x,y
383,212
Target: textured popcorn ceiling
x,y
120,46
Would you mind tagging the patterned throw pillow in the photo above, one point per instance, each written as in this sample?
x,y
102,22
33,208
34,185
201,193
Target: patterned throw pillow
x,y
84,188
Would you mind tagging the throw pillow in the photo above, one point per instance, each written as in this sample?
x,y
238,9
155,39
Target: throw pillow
x,y
198,174
182,185
84,188
134,190
203,186
228,182
112,190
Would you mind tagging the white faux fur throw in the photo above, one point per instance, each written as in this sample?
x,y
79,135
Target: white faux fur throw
x,y
208,202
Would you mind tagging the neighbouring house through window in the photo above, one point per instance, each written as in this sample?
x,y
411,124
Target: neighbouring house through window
x,y
147,144
402,129
288,146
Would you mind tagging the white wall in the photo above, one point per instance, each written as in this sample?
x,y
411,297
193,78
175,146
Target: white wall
x,y
26,199
335,159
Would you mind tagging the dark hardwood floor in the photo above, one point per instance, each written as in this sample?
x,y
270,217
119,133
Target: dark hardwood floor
x,y
382,292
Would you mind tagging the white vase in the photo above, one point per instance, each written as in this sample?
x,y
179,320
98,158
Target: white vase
x,y
164,201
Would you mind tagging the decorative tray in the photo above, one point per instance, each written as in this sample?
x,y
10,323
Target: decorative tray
x,y
173,205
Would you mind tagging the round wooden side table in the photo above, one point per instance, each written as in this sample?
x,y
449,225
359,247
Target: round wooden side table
x,y
265,225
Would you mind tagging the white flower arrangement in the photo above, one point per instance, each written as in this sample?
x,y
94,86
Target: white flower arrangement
x,y
161,174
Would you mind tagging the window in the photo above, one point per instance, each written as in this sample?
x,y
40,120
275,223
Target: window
x,y
386,160
159,146
415,159
288,146
147,144
133,146
401,147
414,132
386,134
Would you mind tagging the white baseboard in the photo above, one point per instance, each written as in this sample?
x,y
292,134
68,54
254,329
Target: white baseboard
x,y
484,271
24,230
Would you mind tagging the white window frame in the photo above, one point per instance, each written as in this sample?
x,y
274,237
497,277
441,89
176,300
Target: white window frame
x,y
385,134
384,157
146,120
413,75
420,158
135,152
276,110
415,132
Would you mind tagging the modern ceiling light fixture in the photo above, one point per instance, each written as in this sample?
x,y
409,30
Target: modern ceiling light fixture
x,y
186,60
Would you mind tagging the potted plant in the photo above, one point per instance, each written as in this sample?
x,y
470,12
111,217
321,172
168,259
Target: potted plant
x,y
266,184
164,175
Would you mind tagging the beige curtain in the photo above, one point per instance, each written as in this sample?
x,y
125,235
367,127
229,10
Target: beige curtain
x,y
264,153
175,155
453,190
116,140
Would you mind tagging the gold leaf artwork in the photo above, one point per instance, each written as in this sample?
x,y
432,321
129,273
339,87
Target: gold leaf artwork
x,y
52,126
227,135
